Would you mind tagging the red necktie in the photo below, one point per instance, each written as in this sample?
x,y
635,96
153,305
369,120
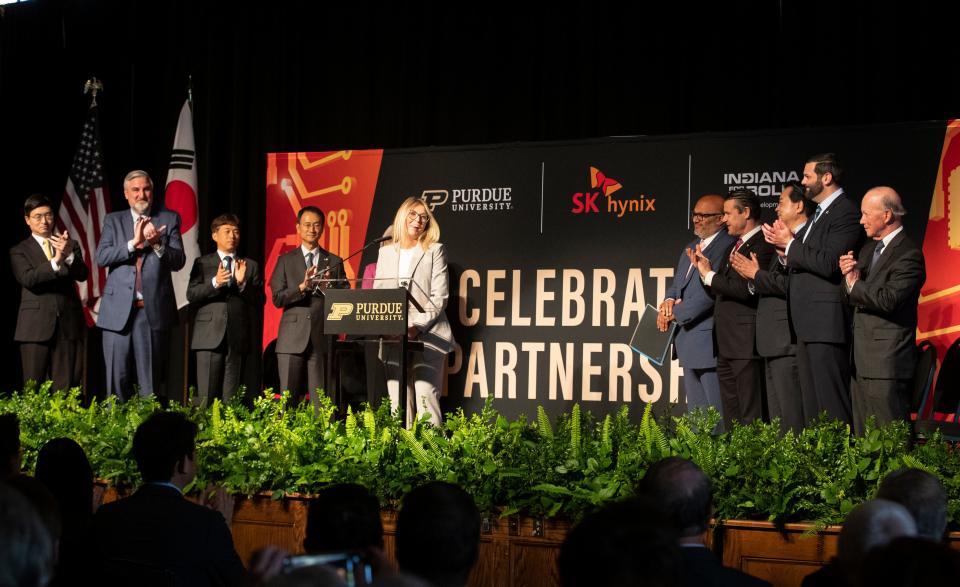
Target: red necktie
x,y
736,247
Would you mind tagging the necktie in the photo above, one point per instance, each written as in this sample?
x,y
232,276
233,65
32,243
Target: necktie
x,y
309,265
228,261
48,249
736,248
876,254
138,282
816,215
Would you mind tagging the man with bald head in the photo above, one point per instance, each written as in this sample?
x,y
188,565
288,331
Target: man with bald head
x,y
689,305
882,284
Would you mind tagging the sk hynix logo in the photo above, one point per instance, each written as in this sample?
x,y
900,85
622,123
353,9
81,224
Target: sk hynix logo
x,y
586,202
496,199
339,309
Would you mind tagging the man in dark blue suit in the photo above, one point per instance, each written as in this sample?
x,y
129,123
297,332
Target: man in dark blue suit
x,y
156,532
682,492
818,312
688,304
138,306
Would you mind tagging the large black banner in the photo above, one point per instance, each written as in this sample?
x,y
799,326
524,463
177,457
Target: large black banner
x,y
556,249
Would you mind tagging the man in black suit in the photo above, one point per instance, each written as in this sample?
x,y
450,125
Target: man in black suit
x,y
883,284
683,493
156,529
225,288
735,311
818,312
50,326
301,345
776,339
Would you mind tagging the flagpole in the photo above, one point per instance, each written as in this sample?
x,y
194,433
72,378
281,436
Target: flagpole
x,y
92,86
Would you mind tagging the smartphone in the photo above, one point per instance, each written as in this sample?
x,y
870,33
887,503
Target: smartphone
x,y
352,566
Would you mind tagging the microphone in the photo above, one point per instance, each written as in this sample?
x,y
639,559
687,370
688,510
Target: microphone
x,y
375,241
339,264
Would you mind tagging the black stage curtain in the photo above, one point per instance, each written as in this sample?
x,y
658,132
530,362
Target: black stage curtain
x,y
286,76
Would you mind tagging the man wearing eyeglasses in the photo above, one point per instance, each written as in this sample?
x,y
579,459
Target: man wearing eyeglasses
x,y
50,326
688,304
301,345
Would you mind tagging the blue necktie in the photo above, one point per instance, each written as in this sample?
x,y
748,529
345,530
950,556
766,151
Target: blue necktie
x,y
816,213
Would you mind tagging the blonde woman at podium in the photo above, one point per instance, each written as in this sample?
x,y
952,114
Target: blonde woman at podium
x,y
417,261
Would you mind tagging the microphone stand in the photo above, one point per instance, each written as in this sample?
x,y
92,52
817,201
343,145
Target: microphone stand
x,y
328,268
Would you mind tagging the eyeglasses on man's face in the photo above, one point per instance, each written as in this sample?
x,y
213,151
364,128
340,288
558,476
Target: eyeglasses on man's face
x,y
700,217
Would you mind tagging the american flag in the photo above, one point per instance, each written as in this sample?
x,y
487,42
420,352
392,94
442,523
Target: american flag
x,y
85,204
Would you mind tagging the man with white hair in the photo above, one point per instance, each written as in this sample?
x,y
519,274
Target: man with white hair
x,y
140,246
883,283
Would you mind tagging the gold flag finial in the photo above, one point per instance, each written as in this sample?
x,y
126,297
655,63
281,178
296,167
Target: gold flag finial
x,y
92,86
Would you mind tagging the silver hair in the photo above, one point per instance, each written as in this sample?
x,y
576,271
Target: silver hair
x,y
134,175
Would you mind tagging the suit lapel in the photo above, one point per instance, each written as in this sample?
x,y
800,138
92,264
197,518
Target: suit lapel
x,y
126,224
35,251
415,262
685,268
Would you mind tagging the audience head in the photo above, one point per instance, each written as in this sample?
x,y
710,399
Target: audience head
x,y
43,502
924,497
625,543
343,517
438,534
63,468
683,492
908,561
10,454
26,547
163,447
871,524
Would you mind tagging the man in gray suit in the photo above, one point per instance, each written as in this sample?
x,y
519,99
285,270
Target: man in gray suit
x,y
883,284
226,289
689,305
301,345
776,339
140,247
